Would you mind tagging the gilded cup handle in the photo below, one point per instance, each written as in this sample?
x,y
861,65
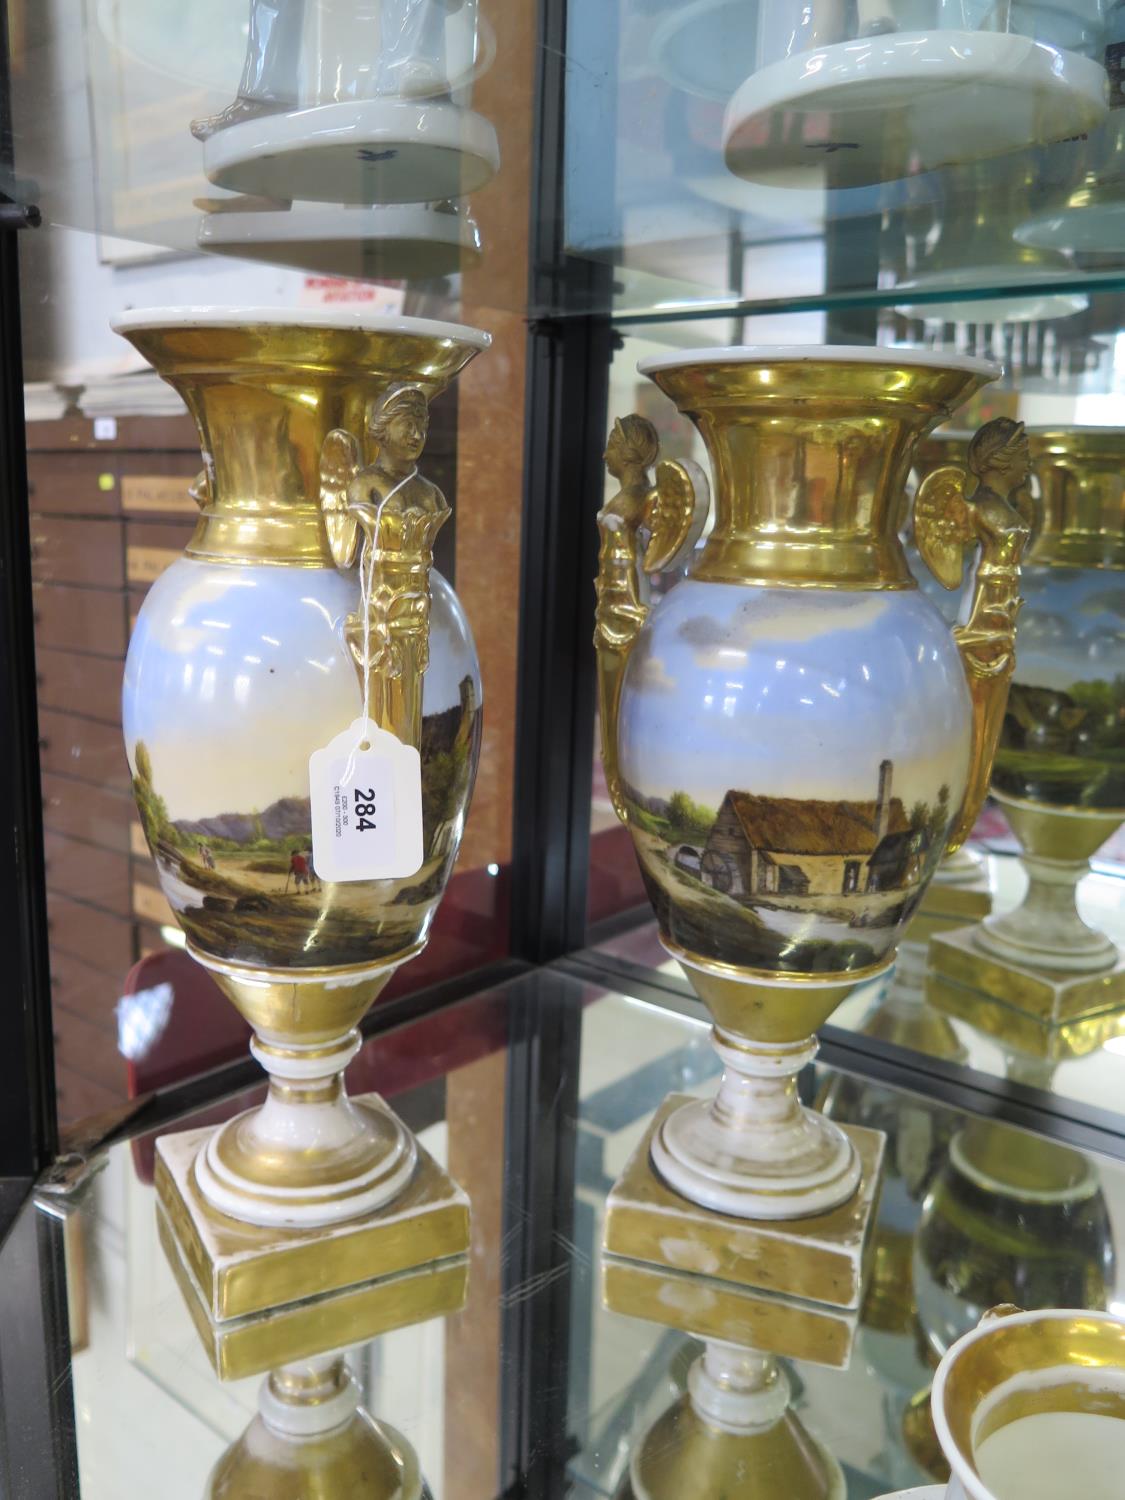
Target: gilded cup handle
x,y
665,514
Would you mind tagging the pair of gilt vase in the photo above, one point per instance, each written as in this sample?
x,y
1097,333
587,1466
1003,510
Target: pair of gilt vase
x,y
794,736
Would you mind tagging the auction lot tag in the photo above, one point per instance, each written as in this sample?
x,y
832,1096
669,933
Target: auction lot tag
x,y
366,806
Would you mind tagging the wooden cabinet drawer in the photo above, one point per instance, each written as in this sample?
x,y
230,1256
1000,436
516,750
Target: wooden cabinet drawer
x,y
82,810
105,942
77,619
65,550
84,1047
84,990
74,683
152,546
82,748
73,484
157,484
97,876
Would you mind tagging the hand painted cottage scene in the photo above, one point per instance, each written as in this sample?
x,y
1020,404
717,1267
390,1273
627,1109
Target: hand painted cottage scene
x,y
243,883
791,763
785,882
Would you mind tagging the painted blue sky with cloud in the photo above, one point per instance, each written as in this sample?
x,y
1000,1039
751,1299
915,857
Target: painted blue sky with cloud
x,y
794,692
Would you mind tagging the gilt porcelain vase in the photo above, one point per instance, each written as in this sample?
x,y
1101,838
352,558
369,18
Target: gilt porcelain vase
x,y
252,652
794,735
1060,766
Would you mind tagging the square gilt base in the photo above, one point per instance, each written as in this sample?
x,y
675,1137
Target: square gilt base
x,y
1052,998
238,1269
241,1347
737,1315
824,1258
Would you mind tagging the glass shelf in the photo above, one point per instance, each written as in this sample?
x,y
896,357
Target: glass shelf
x,y
656,224
536,1093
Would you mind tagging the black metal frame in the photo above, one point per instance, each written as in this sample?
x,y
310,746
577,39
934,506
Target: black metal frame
x,y
28,1128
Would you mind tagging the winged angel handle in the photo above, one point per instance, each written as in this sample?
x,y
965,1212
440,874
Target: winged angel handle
x,y
988,506
669,516
398,514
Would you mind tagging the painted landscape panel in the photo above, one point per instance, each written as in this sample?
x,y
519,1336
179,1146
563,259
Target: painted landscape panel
x,y
1063,741
792,761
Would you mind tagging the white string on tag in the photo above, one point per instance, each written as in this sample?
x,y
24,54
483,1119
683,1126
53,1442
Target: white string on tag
x,y
366,583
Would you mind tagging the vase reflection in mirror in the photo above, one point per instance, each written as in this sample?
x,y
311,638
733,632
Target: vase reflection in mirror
x,y
732,1429
355,102
254,650
1059,775
312,1436
1009,1217
1031,1406
793,736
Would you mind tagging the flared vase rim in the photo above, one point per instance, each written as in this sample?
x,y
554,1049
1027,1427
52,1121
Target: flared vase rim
x,y
344,320
844,354
990,1327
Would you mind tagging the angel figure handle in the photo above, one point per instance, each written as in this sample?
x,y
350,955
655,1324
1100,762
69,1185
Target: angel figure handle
x,y
985,506
651,524
380,511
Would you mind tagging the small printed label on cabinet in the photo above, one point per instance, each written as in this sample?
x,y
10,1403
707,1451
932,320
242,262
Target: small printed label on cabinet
x,y
162,492
366,791
145,564
105,429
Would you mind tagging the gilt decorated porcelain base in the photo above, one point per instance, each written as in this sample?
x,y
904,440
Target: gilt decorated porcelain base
x,y
362,151
254,1344
1050,996
239,1268
1022,1035
822,1258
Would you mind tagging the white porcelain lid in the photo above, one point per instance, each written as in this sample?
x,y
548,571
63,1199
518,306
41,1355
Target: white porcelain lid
x,y
288,317
753,354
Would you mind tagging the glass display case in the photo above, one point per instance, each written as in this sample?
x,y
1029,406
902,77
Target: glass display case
x,y
540,1364
445,398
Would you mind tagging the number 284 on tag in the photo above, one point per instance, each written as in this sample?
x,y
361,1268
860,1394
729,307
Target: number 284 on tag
x,y
366,807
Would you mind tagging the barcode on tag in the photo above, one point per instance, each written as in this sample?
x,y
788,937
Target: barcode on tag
x,y
366,806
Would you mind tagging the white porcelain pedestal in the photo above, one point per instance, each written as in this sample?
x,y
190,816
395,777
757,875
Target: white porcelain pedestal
x,y
309,1156
755,1151
823,1258
1046,930
362,151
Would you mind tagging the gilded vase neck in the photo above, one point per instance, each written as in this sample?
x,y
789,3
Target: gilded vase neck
x,y
1081,474
264,396
810,459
